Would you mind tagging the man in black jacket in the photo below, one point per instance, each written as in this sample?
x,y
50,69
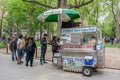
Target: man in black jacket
x,y
43,48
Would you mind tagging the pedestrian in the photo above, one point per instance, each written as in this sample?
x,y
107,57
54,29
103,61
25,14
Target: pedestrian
x,y
58,45
26,48
19,50
112,40
31,50
43,42
23,48
54,46
9,39
13,48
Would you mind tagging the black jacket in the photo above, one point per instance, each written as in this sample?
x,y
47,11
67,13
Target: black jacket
x,y
43,42
54,46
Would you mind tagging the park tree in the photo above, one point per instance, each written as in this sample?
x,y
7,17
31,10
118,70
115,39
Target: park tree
x,y
116,16
23,14
2,14
60,4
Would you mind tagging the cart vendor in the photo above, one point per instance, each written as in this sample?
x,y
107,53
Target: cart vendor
x,y
93,40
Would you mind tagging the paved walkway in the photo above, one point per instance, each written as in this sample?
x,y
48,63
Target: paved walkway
x,y
11,71
112,56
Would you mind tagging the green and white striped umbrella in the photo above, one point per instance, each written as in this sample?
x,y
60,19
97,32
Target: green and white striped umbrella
x,y
53,15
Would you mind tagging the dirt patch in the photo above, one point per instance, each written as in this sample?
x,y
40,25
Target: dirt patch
x,y
112,58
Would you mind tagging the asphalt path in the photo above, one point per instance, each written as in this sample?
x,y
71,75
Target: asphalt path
x,y
9,70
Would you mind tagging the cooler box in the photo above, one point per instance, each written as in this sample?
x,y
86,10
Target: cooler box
x,y
57,58
89,60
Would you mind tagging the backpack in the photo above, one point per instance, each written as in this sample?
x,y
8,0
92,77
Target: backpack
x,y
11,46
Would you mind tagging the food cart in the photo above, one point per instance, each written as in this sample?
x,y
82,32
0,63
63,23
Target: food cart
x,y
82,50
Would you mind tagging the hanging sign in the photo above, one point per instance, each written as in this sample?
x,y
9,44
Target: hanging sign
x,y
78,30
53,11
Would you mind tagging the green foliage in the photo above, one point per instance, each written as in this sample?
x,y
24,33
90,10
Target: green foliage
x,y
116,45
22,14
2,45
37,43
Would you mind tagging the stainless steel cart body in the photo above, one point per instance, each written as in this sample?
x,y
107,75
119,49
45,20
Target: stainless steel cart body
x,y
82,49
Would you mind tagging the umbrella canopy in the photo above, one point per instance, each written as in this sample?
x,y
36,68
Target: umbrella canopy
x,y
53,15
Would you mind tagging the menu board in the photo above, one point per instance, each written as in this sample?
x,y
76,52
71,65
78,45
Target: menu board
x,y
72,38
76,37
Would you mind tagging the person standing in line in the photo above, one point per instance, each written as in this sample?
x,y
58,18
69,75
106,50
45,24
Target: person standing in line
x,y
54,46
58,45
26,48
19,50
31,50
43,48
23,48
13,48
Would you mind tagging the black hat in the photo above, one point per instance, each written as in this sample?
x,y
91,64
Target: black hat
x,y
45,35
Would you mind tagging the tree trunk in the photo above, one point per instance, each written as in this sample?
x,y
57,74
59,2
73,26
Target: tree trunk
x,y
17,29
1,28
116,14
48,31
117,30
61,4
40,31
117,23
28,30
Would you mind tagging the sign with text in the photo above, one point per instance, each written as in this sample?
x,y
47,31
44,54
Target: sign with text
x,y
78,30
77,47
54,11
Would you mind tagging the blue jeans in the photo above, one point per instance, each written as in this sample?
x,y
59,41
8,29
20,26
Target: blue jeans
x,y
27,54
43,52
14,54
30,56
23,51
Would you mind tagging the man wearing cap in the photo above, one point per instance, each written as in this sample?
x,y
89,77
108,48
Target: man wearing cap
x,y
43,48
13,47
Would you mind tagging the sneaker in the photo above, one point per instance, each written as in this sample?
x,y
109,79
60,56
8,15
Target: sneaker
x,y
41,63
31,65
46,62
27,65
19,63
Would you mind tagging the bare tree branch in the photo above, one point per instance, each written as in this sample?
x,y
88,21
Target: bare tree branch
x,y
36,2
80,5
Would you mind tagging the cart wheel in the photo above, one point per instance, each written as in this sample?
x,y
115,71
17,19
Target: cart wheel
x,y
87,71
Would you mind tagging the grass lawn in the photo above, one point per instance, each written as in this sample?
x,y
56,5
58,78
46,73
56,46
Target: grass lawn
x,y
38,44
2,45
116,45
106,45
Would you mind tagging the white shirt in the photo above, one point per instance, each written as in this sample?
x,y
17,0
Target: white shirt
x,y
20,43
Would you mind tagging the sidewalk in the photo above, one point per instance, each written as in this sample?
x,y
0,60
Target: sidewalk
x,y
112,56
9,70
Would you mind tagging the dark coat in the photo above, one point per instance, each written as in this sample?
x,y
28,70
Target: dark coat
x,y
54,46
